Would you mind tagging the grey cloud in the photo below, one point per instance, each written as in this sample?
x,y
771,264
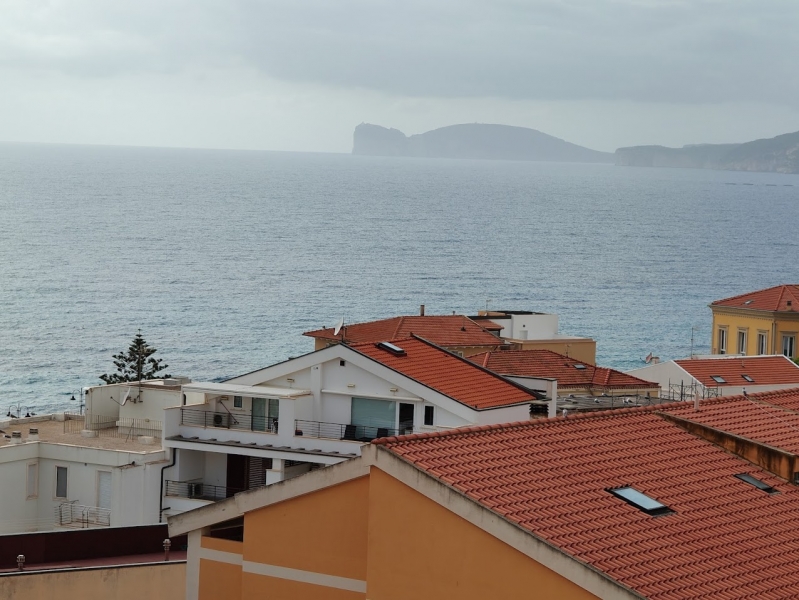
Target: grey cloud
x,y
620,50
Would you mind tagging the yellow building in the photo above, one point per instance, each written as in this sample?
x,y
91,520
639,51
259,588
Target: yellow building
x,y
761,322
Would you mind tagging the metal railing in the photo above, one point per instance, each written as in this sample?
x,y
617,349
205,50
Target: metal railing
x,y
341,431
197,490
125,427
226,420
72,514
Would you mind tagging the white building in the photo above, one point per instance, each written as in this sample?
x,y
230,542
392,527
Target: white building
x,y
319,409
52,476
720,375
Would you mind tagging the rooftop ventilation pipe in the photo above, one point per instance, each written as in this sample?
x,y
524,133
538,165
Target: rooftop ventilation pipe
x,y
421,310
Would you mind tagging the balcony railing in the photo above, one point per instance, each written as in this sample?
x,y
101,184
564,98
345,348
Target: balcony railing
x,y
197,490
226,420
341,431
71,514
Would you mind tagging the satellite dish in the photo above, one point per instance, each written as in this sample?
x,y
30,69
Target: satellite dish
x,y
339,325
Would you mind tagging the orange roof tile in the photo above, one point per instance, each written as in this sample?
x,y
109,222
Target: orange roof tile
x,y
444,330
757,417
545,363
448,374
763,370
725,539
777,298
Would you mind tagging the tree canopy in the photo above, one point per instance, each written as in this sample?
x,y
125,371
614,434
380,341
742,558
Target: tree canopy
x,y
137,364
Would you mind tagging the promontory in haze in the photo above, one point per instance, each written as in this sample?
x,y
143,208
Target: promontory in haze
x,y
777,155
476,141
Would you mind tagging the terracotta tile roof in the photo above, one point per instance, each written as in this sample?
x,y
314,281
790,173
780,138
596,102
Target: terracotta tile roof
x,y
788,399
545,363
757,417
763,370
448,374
444,330
772,299
725,539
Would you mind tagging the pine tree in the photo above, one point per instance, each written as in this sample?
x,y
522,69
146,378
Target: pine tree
x,y
137,364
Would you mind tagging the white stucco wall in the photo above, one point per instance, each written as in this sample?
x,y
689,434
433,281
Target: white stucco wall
x,y
135,490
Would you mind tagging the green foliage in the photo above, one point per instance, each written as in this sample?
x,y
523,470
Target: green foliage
x,y
137,364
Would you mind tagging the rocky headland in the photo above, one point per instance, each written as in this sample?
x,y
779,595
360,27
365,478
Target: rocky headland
x,y
473,141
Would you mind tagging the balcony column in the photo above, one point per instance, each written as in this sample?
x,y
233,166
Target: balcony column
x,y
316,390
285,421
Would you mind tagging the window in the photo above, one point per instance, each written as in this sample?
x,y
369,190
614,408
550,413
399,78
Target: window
x,y
748,378
579,367
641,501
761,485
742,341
429,414
33,481
342,363
60,482
718,379
762,342
789,345
104,489
237,401
722,340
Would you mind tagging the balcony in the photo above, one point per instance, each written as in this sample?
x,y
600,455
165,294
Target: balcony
x,y
197,490
345,432
227,420
77,516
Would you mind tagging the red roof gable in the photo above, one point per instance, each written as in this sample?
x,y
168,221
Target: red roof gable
x,y
448,374
545,363
763,370
725,539
443,330
772,299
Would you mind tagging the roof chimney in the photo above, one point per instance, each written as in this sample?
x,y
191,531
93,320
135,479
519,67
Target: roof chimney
x,y
421,310
789,304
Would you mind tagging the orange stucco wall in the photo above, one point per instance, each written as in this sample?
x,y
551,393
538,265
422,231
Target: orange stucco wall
x,y
322,532
154,582
418,549
218,580
378,530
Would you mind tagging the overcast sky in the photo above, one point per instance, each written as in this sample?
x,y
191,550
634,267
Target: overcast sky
x,y
300,75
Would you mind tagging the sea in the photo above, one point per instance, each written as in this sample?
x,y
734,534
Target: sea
x,y
222,259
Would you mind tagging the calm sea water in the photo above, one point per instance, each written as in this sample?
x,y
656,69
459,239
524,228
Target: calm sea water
x,y
223,258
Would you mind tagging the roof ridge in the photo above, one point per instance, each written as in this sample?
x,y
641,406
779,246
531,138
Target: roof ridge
x,y
400,321
746,294
541,422
475,365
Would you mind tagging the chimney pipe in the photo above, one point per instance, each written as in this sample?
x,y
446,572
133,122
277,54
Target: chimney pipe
x,y
421,310
552,409
33,434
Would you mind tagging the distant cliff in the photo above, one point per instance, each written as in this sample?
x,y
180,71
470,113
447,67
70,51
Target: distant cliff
x,y
778,155
493,142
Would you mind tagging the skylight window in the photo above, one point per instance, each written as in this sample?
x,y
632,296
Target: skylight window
x,y
718,379
761,485
579,367
641,501
749,379
748,302
395,350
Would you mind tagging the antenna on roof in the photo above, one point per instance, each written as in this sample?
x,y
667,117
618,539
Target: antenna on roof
x,y
339,325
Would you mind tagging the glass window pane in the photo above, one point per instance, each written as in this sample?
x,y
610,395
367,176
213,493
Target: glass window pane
x,y
373,413
60,482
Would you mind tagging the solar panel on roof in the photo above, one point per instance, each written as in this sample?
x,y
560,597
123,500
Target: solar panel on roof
x,y
761,485
641,501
